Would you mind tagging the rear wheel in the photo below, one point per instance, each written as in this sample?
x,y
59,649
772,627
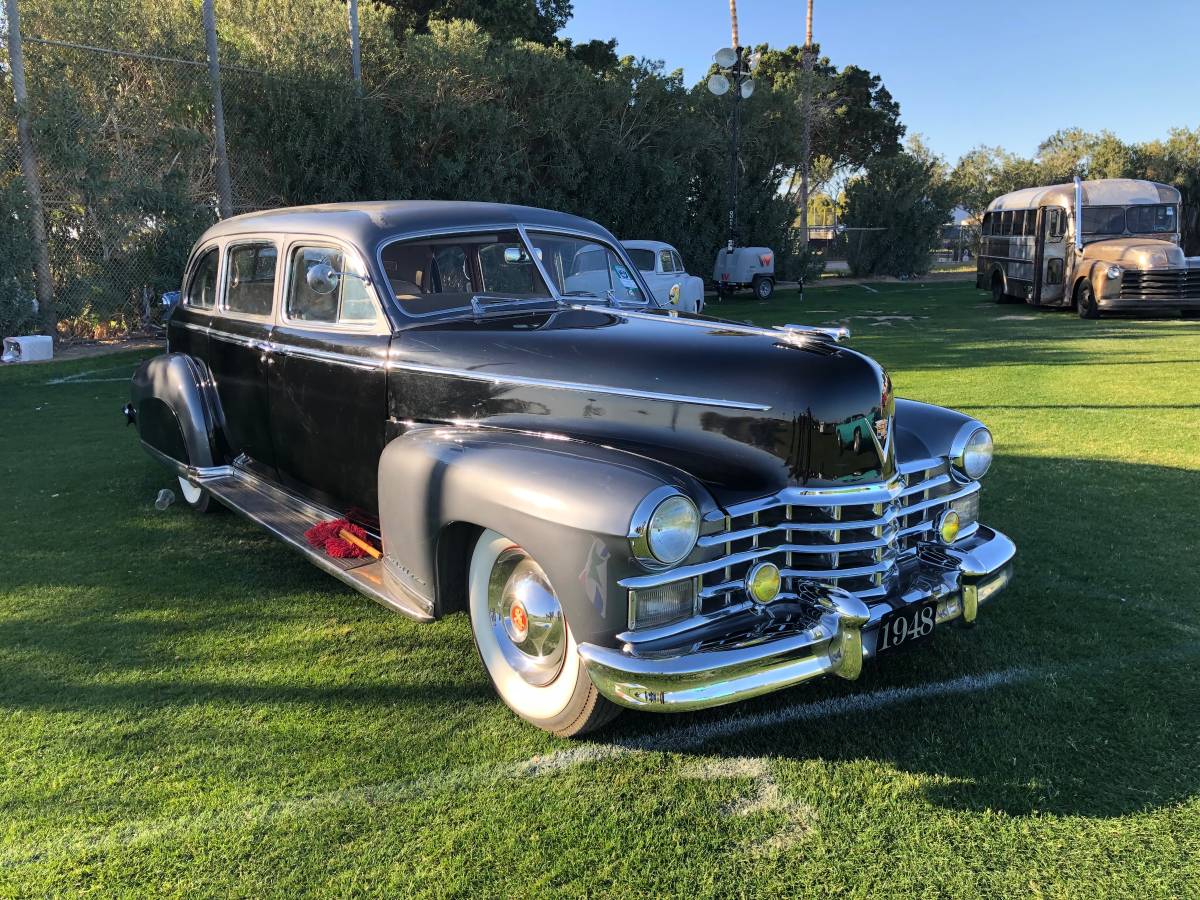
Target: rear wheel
x,y
526,644
764,287
1085,301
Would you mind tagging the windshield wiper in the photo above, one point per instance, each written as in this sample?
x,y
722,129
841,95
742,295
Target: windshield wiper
x,y
479,301
608,297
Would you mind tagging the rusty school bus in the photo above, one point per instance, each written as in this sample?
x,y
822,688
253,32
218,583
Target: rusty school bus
x,y
1098,246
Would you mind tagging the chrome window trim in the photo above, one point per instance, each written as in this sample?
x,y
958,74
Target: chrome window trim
x,y
359,362
190,274
222,308
299,242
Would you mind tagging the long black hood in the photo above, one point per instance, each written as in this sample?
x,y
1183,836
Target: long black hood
x,y
746,411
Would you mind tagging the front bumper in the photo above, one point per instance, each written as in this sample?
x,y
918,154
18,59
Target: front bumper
x,y
762,649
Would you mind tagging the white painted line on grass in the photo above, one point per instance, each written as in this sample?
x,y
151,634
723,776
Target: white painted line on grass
x,y
867,287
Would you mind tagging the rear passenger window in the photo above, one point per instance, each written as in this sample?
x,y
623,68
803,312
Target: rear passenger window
x,y
664,256
347,304
202,292
678,262
250,283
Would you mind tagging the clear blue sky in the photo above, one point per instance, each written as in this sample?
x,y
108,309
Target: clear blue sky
x,y
1131,66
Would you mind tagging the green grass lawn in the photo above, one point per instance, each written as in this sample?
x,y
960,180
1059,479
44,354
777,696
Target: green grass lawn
x,y
187,708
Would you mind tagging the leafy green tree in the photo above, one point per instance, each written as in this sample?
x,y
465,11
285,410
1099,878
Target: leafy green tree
x,y
533,20
901,202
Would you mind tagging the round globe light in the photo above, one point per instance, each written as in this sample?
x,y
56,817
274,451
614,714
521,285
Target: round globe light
x,y
747,88
718,84
726,57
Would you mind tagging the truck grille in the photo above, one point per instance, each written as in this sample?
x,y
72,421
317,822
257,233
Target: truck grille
x,y
852,538
1160,284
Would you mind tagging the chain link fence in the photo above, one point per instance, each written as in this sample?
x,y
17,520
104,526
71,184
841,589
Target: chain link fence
x,y
125,150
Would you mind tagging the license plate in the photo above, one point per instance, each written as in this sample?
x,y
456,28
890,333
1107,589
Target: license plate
x,y
906,626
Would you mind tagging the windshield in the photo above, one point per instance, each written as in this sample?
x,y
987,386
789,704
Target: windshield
x,y
1159,218
1150,218
582,267
436,274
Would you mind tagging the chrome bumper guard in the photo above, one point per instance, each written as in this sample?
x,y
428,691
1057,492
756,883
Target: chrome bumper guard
x,y
830,633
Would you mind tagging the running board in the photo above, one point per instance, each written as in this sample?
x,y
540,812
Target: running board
x,y
287,517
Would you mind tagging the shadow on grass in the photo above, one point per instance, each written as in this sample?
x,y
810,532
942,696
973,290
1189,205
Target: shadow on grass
x,y
1102,628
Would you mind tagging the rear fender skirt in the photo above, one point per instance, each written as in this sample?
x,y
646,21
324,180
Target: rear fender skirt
x,y
176,412
568,503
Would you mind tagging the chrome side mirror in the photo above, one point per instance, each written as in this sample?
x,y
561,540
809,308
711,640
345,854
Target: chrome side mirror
x,y
322,279
514,255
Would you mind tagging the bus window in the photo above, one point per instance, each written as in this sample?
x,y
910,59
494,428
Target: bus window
x,y
985,227
1054,270
1056,221
1019,223
1103,220
1006,218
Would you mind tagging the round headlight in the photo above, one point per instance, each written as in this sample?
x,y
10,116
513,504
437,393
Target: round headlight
x,y
1114,272
673,529
973,457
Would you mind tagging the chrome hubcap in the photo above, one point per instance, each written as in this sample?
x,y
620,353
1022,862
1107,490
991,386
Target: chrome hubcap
x,y
526,617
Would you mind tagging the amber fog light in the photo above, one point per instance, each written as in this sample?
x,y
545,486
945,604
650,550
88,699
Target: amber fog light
x,y
763,582
948,525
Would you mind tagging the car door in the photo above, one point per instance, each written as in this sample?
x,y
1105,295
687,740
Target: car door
x,y
328,382
239,337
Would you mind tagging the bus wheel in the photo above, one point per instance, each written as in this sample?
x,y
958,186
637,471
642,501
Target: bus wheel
x,y
998,295
1085,301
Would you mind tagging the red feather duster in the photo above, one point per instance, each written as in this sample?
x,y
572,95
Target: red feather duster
x,y
325,536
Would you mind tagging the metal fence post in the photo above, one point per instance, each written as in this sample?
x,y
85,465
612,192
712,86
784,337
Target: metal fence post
x,y
224,186
355,51
43,286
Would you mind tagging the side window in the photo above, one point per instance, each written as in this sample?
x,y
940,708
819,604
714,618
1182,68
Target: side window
x,y
643,259
250,279
1019,223
985,227
202,292
1056,221
664,257
678,262
1006,222
348,303
1054,271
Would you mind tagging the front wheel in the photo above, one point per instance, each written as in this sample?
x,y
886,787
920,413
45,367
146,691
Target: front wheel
x,y
526,644
1085,302
764,287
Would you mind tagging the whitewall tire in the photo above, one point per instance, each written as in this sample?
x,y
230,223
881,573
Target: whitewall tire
x,y
195,497
526,644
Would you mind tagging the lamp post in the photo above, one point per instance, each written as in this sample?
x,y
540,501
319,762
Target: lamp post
x,y
735,65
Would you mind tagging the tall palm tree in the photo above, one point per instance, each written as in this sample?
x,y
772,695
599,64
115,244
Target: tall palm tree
x,y
806,138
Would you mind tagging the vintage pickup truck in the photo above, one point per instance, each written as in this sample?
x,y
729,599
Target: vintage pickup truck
x,y
636,507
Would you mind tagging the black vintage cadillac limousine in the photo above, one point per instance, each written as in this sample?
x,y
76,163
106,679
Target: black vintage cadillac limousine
x,y
636,507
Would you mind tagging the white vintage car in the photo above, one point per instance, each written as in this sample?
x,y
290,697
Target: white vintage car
x,y
662,268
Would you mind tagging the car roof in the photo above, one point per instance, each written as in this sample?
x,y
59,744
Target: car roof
x,y
648,245
1098,192
366,223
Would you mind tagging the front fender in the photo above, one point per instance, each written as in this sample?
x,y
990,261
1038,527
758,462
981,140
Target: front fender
x,y
173,412
568,503
925,431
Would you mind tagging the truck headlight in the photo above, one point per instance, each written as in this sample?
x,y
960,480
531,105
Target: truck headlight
x,y
971,453
664,529
1113,272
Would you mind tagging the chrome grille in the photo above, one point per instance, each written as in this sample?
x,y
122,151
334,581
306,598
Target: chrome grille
x,y
854,538
1160,284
